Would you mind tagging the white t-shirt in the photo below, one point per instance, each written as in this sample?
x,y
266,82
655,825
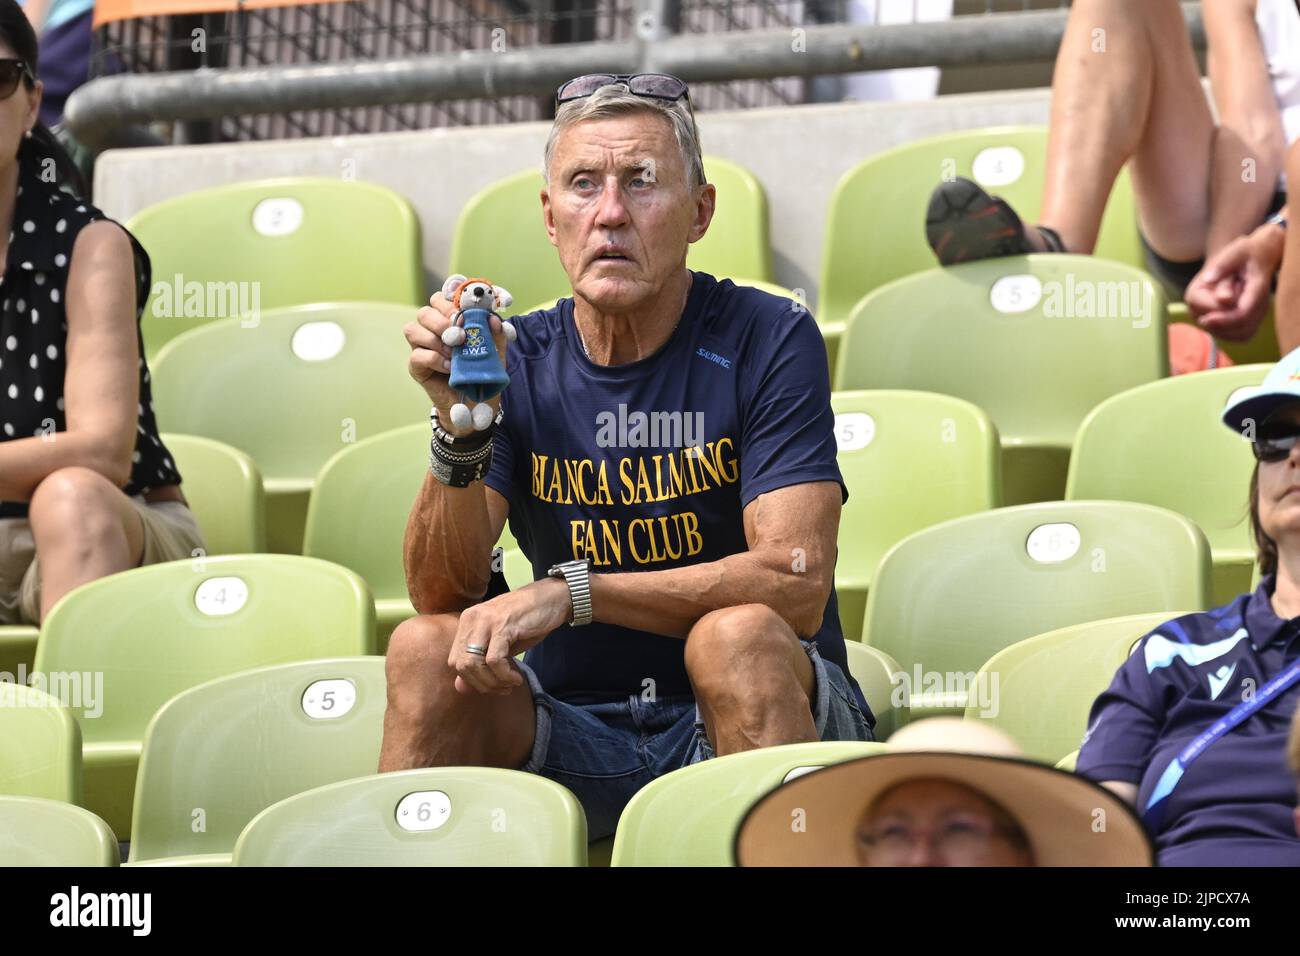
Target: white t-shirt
x,y
1279,31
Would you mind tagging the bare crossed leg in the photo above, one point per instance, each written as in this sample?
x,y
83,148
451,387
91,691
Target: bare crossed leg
x,y
1126,88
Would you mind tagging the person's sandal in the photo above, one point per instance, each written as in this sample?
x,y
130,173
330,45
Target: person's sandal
x,y
964,223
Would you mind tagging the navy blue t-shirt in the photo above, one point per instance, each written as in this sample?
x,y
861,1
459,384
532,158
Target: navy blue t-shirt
x,y
1234,804
647,466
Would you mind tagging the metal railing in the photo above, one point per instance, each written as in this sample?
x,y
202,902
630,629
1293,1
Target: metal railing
x,y
492,76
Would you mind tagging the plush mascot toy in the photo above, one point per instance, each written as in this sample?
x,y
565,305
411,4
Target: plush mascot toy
x,y
476,370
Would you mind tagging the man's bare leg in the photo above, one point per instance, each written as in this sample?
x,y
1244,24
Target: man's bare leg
x,y
1126,88
752,679
431,724
1140,98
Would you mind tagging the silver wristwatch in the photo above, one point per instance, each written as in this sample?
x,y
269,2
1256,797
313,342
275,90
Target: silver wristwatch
x,y
577,575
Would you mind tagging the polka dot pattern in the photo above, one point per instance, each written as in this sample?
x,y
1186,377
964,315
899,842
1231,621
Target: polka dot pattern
x,y
34,331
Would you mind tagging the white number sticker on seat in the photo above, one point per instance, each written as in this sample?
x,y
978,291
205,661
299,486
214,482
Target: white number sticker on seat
x,y
854,430
277,217
318,341
799,772
327,699
218,596
998,166
1052,543
423,810
1012,294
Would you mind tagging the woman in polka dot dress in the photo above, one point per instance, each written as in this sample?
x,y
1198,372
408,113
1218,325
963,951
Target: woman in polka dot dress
x,y
87,487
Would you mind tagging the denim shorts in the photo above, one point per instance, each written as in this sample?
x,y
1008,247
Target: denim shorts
x,y
606,752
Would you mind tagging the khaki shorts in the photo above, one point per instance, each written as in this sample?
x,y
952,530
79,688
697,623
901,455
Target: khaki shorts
x,y
170,533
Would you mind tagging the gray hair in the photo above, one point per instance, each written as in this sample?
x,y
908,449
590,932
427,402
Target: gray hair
x,y
616,100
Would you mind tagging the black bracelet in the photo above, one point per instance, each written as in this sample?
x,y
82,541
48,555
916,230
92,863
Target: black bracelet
x,y
457,468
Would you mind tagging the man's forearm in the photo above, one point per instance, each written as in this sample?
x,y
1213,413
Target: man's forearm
x,y
447,546
1243,184
670,602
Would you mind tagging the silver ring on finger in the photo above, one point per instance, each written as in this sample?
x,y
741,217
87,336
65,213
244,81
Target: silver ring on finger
x,y
476,649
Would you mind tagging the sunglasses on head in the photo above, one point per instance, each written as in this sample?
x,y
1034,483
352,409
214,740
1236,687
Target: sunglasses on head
x,y
1274,442
11,73
656,86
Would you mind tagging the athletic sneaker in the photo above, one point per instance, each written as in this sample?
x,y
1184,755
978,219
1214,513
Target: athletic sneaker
x,y
964,223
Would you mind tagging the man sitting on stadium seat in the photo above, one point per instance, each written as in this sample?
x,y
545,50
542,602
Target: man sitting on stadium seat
x,y
1127,90
666,458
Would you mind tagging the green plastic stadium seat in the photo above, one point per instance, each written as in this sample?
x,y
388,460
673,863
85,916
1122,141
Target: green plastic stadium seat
x,y
948,598
17,648
1036,341
40,745
149,633
737,241
38,832
282,242
516,566
875,228
358,512
224,490
500,235
1163,444
446,816
910,460
689,817
283,730
875,671
301,385
1046,685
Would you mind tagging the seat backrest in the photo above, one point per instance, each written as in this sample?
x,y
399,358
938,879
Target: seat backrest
x,y
1041,689
40,745
296,388
877,675
152,632
737,244
689,817
39,832
1036,341
501,236
875,227
950,597
910,460
1164,444
230,748
446,816
224,490
282,242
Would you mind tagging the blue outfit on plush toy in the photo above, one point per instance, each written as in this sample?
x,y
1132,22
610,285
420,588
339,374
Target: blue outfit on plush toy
x,y
476,369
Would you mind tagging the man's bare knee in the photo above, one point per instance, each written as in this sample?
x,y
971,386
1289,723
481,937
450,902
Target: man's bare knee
x,y
729,643
416,662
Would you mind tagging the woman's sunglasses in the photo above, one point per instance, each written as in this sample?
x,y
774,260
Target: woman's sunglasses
x,y
656,86
11,72
1274,442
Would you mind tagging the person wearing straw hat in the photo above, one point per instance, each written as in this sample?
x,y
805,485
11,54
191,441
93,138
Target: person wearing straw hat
x,y
1193,728
951,792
